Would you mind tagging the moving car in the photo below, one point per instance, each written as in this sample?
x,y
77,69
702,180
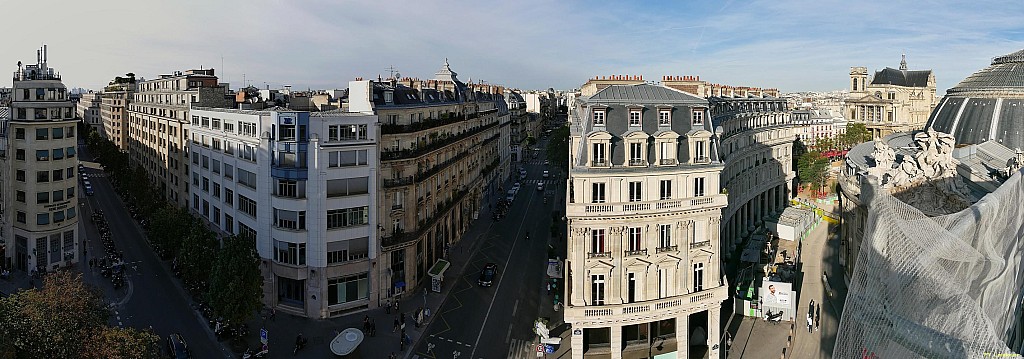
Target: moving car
x,y
88,189
540,186
546,162
487,275
545,174
177,347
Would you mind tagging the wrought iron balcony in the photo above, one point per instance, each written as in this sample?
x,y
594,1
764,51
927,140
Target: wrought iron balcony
x,y
696,245
599,255
667,249
639,252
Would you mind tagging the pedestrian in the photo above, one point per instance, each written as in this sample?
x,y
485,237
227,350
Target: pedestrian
x,y
373,328
396,306
396,325
728,340
273,313
810,322
812,305
387,306
549,288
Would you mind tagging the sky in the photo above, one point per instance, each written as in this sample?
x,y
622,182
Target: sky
x,y
526,44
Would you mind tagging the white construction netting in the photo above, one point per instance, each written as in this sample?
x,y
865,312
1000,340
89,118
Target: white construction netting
x,y
939,287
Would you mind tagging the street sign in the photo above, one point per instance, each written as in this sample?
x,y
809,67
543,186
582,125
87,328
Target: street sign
x,y
263,336
540,348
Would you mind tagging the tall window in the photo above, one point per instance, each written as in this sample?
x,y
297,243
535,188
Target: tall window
x,y
664,235
635,243
599,117
664,117
698,187
634,117
665,190
700,151
662,283
599,154
668,153
598,195
636,192
636,150
630,287
597,289
698,277
596,241
348,289
290,253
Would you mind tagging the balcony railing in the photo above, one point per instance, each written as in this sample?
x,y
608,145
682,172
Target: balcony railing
x,y
599,163
440,166
667,249
629,208
702,159
696,245
668,161
432,146
639,252
395,182
627,312
399,238
599,255
389,129
637,162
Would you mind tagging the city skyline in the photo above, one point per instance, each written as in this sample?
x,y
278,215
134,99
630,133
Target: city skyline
x,y
527,45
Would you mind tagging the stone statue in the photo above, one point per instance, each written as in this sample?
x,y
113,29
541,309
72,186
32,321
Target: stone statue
x,y
884,158
1014,164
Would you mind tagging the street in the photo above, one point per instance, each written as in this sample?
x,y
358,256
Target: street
x,y
152,297
497,321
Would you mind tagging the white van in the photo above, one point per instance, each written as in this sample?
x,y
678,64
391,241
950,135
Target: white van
x,y
511,195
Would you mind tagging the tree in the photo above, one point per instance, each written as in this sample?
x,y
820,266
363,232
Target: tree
x,y
51,322
558,148
812,168
799,149
197,256
121,343
236,285
856,133
168,227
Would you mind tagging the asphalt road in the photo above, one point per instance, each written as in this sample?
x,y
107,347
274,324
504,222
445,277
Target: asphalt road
x,y
153,297
496,321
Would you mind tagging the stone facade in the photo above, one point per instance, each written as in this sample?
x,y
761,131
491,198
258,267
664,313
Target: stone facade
x,y
39,172
893,101
440,162
644,212
112,111
88,109
158,127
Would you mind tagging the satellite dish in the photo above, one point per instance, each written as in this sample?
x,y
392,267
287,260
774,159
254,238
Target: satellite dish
x,y
398,75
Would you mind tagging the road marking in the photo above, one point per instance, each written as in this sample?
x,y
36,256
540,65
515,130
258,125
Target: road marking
x,y
497,288
515,307
508,334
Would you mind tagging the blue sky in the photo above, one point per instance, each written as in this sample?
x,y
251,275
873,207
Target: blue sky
x,y
790,45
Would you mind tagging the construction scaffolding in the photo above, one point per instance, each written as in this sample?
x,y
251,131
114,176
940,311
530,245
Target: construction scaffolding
x,y
937,287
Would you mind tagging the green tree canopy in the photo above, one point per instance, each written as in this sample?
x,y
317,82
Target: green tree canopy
x,y
856,133
812,168
121,343
198,255
236,286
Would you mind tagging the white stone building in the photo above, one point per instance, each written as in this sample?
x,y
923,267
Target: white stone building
x,y
812,124
39,171
303,186
88,109
644,210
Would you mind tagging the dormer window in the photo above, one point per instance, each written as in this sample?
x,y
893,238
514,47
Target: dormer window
x,y
664,117
599,117
634,117
698,117
389,97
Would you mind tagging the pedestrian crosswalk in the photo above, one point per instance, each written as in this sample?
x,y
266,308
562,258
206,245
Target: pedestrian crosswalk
x,y
547,182
520,349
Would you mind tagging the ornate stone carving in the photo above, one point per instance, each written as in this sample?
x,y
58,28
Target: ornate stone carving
x,y
933,164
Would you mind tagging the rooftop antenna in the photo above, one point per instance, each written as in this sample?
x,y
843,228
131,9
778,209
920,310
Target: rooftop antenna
x,y
393,71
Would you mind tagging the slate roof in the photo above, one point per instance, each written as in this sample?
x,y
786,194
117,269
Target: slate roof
x,y
906,78
644,93
987,105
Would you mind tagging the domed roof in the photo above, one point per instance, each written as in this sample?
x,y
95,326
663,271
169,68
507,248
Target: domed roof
x,y
987,105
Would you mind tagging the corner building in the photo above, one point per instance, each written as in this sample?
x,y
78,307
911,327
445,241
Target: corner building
x,y
303,186
894,101
440,159
644,211
40,167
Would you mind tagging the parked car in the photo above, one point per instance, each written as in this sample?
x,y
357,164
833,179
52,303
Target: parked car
x,y
177,347
487,275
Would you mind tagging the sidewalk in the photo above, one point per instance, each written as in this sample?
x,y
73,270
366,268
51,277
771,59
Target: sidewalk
x,y
283,329
816,257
